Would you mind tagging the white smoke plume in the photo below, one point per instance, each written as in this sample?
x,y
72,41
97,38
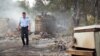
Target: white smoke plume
x,y
11,10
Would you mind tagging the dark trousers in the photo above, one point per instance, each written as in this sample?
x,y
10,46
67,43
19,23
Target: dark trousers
x,y
24,35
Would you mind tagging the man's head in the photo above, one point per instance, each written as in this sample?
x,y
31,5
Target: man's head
x,y
24,14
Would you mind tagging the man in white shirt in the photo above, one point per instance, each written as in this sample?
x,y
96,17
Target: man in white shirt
x,y
24,25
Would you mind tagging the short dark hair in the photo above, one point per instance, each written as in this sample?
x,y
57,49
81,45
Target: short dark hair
x,y
23,12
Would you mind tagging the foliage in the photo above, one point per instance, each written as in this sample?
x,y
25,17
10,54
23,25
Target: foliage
x,y
81,9
54,5
39,6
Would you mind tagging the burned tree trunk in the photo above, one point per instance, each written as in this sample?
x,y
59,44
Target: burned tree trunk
x,y
96,11
97,35
76,12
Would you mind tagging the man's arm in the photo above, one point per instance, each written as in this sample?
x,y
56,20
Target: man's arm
x,y
29,26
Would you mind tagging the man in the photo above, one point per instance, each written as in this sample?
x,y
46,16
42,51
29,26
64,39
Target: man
x,y
24,25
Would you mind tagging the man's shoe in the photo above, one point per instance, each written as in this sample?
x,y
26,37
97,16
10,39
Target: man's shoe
x,y
23,45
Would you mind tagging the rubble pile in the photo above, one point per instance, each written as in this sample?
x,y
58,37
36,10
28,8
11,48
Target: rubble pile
x,y
11,33
6,28
53,44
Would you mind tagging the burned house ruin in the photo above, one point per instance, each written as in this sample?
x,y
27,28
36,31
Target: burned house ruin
x,y
45,23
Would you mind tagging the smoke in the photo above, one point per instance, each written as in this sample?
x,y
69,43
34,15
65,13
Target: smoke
x,y
10,9
57,22
63,21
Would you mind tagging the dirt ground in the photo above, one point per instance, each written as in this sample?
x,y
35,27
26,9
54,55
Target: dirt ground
x,y
13,47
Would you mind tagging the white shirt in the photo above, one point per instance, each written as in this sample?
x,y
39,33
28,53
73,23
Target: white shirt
x,y
24,22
